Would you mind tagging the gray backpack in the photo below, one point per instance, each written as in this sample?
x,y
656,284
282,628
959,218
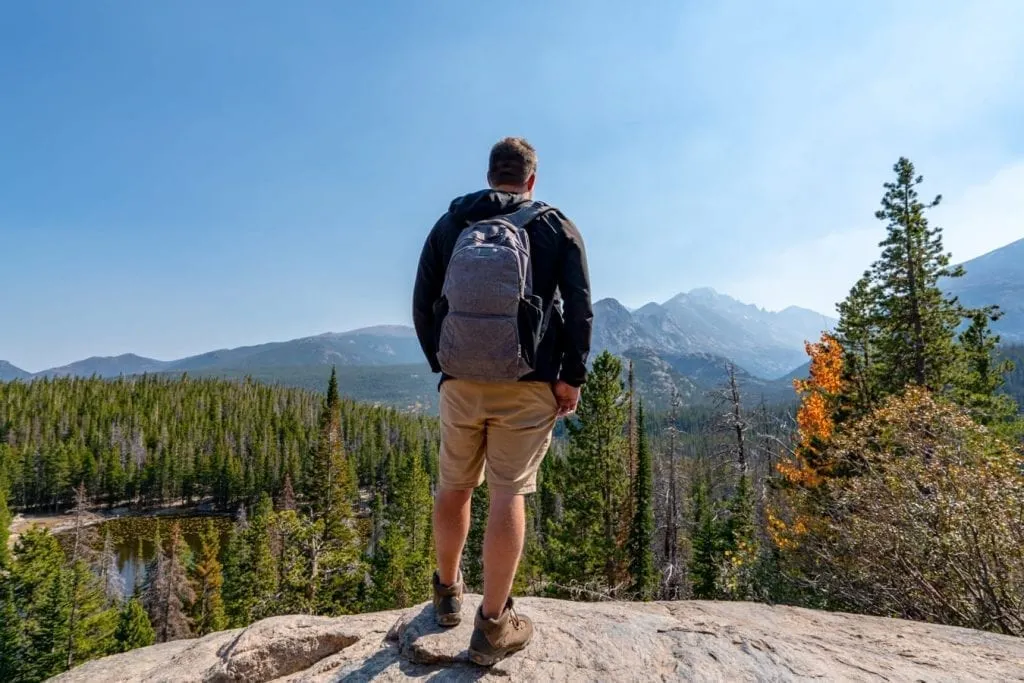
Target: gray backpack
x,y
489,318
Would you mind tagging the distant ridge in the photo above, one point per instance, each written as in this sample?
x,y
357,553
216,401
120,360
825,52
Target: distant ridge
x,y
996,278
767,344
9,372
107,366
682,343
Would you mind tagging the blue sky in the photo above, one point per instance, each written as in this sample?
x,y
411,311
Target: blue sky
x,y
181,176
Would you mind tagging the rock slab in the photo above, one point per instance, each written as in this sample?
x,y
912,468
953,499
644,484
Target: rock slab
x,y
612,641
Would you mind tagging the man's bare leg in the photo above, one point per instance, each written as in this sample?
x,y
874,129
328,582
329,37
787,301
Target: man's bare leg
x,y
503,544
451,527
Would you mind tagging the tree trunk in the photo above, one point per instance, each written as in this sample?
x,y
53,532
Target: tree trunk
x,y
915,304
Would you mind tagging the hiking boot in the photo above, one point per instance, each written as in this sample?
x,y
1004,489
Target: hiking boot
x,y
448,601
495,639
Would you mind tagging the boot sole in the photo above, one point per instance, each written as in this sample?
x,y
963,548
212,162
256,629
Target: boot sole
x,y
492,658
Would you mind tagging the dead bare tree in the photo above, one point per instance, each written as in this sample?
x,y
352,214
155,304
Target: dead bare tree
x,y
672,573
729,401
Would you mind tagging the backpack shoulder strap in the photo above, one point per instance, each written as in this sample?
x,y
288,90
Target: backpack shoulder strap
x,y
522,217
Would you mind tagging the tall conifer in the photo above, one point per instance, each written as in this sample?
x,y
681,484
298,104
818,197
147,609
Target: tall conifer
x,y
597,482
705,545
5,525
916,321
403,561
641,536
207,580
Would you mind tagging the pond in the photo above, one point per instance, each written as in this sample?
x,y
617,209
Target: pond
x,y
133,540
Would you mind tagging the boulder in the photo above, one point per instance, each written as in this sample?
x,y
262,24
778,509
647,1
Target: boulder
x,y
667,641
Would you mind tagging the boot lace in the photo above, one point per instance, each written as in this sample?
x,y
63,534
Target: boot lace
x,y
514,618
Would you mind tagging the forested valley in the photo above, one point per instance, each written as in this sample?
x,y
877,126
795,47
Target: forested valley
x,y
894,488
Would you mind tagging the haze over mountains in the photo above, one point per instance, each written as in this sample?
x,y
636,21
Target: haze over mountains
x,y
9,372
997,278
684,342
766,344
383,345
700,322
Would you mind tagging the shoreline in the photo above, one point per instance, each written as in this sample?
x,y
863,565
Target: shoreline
x,y
61,522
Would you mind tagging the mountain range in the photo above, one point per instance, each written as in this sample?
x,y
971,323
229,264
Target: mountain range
x,y
9,372
685,343
996,278
765,343
370,346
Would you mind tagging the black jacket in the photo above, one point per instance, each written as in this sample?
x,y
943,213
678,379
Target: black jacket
x,y
560,278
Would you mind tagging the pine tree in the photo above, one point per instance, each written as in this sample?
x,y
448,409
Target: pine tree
x,y
90,633
5,525
239,593
531,565
739,544
413,511
287,499
916,321
74,606
207,579
982,375
597,482
641,536
264,571
14,646
857,333
329,477
706,550
631,443
403,563
167,593
330,540
133,627
41,599
50,640
898,328
473,553
288,535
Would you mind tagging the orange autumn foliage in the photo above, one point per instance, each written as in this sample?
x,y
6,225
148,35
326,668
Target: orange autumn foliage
x,y
786,536
814,418
788,519
826,372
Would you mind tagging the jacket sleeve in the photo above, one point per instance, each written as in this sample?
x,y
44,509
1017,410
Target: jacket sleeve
x,y
429,280
574,285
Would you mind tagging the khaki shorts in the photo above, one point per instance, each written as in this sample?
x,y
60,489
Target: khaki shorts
x,y
503,429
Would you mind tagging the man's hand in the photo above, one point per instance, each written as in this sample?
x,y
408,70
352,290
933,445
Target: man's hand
x,y
567,397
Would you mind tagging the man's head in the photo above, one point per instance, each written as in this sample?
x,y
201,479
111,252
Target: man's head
x,y
513,166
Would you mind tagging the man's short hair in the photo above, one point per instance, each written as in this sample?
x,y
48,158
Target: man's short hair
x,y
513,161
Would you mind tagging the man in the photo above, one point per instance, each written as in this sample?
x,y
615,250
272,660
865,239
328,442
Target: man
x,y
507,376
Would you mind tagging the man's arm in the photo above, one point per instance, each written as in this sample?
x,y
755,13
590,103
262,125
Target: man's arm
x,y
429,280
574,285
